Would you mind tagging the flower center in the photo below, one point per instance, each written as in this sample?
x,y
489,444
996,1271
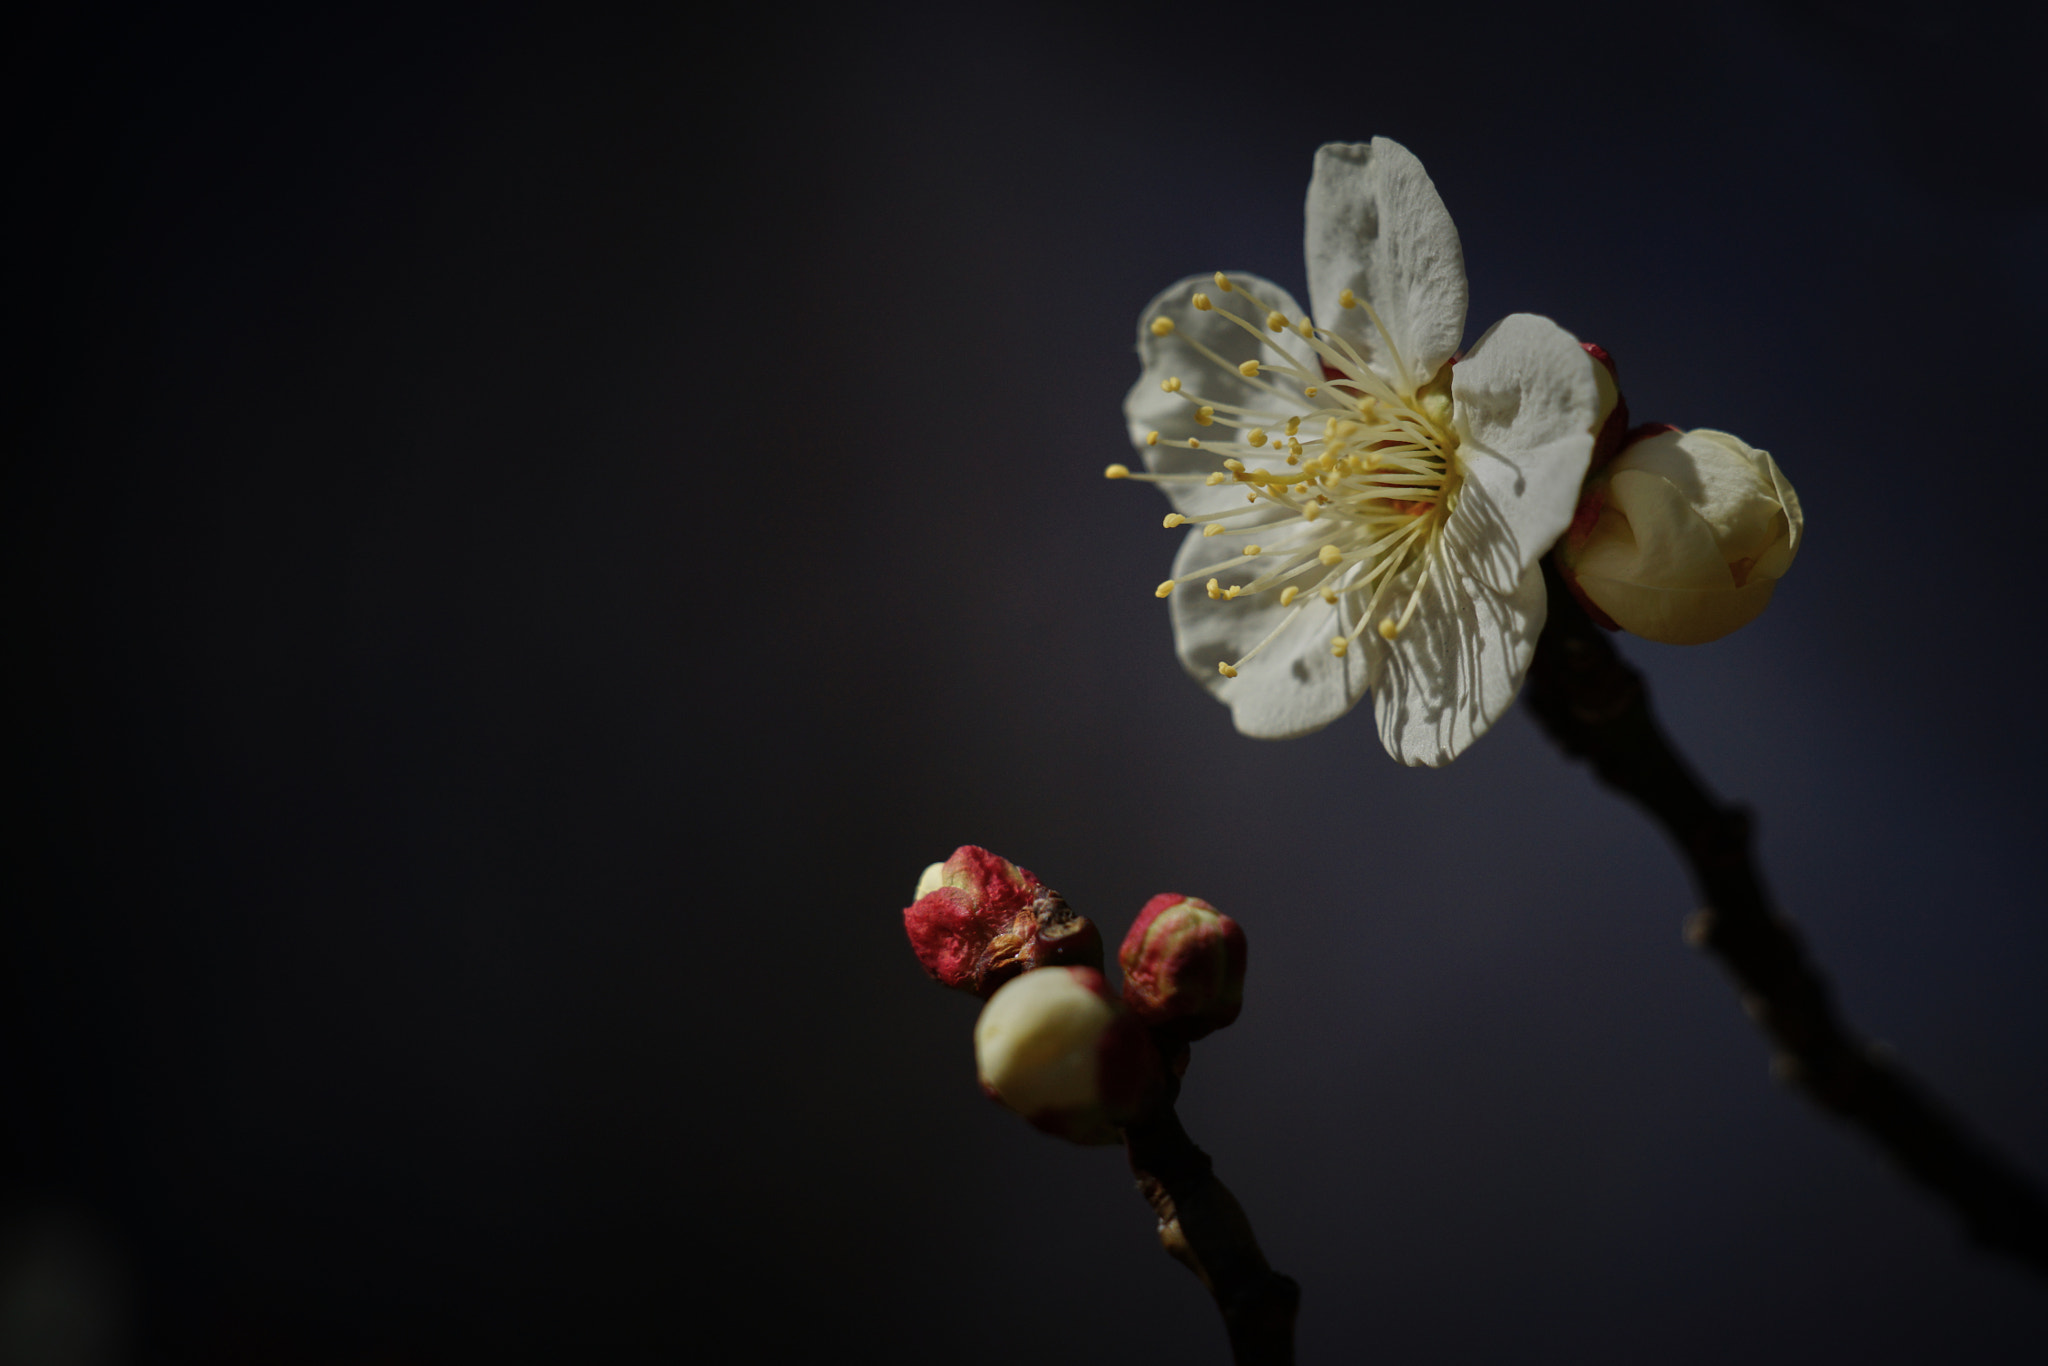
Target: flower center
x,y
1348,486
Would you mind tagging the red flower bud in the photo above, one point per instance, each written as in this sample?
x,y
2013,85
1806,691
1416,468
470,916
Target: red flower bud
x,y
979,920
1183,965
1055,1047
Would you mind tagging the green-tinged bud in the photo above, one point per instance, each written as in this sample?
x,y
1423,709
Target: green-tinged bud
x,y
1183,965
1055,1047
1684,537
979,920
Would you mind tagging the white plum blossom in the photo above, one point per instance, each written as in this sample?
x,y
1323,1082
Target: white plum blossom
x,y
1365,511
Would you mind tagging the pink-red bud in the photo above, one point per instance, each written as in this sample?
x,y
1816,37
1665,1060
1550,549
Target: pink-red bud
x,y
1055,1047
1183,965
979,920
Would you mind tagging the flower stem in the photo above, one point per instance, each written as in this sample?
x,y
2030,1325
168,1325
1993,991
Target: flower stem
x,y
1205,1229
1594,705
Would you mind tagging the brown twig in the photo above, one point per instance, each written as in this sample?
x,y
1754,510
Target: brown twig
x,y
1595,707
1203,1226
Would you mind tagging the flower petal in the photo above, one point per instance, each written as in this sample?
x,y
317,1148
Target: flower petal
x,y
1377,227
1457,665
1526,405
1651,533
1294,685
1679,616
1149,408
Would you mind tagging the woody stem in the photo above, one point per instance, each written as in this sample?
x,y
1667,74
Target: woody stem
x,y
1202,1225
1595,706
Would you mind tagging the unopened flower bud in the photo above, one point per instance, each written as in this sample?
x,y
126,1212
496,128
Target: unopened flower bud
x,y
1056,1048
1183,965
1684,537
979,920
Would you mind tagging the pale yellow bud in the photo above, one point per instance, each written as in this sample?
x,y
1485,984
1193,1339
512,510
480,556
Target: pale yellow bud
x,y
1684,537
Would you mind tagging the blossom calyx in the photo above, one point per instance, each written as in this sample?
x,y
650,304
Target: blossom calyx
x,y
1684,537
1183,964
1057,1048
979,920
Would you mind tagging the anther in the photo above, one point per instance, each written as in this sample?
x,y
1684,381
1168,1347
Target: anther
x,y
1164,590
1194,444
1161,326
1171,384
1310,391
1213,529
1225,670
1215,477
1346,299
1288,594
1117,472
1223,282
1293,425
1215,591
1294,460
1313,510
1330,596
1173,519
1234,466
1205,415
1256,436
1329,555
1232,591
1339,646
1249,369
1151,438
1201,302
1276,321
1306,328
1294,445
1253,550
1388,629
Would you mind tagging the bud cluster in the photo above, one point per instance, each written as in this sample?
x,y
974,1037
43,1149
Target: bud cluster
x,y
1053,1042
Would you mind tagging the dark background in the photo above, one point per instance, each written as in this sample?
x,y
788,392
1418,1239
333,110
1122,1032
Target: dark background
x,y
524,534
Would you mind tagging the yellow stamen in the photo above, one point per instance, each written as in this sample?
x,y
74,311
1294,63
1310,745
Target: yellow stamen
x,y
1171,384
1215,591
1276,322
1201,301
1174,519
1164,590
1151,438
1205,414
1213,529
1161,326
1255,437
1117,472
1287,594
1346,299
1339,646
1329,555
1252,550
1388,630
1250,369
1223,282
1225,670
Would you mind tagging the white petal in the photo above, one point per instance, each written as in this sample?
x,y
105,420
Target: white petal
x,y
1721,479
1679,616
1526,405
1456,666
1294,685
1377,227
1148,408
